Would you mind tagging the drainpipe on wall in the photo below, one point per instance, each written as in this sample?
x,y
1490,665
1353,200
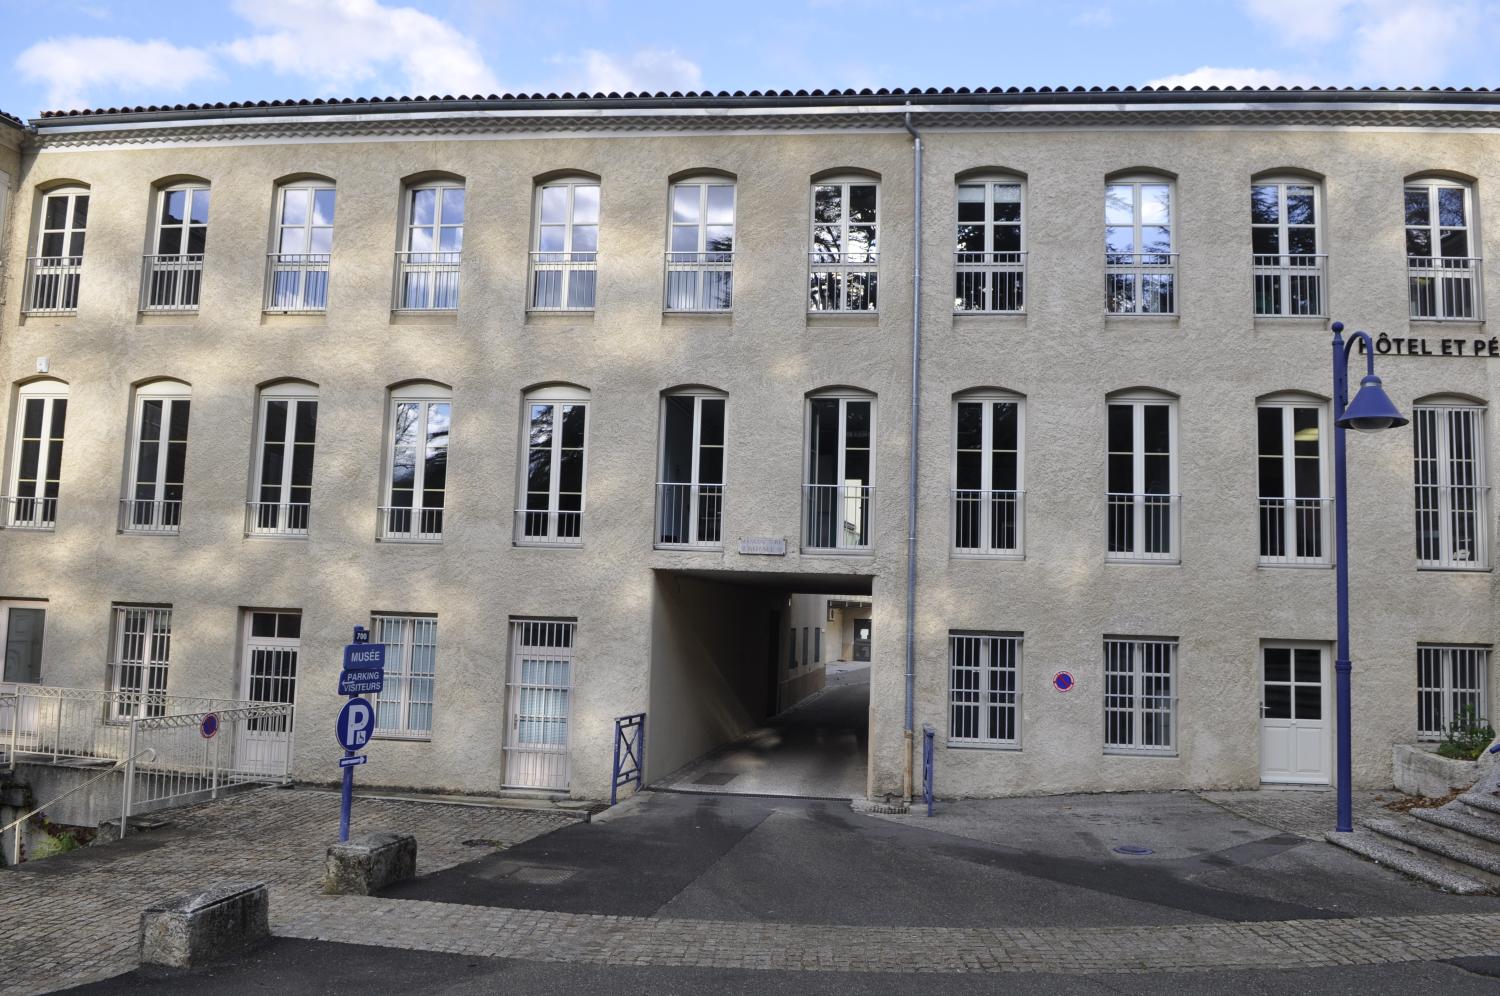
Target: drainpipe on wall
x,y
911,477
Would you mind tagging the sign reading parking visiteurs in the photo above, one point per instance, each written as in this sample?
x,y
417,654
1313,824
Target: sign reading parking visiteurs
x,y
363,674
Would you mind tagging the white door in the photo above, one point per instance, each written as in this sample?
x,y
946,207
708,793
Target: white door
x,y
21,628
1296,721
273,642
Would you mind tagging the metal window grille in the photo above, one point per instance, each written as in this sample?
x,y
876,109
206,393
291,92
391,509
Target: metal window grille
x,y
143,651
273,642
32,502
1295,517
844,262
1452,497
984,689
540,694
1140,697
404,706
1450,680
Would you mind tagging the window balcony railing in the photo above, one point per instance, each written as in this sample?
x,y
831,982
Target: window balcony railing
x,y
407,524
1140,283
1295,532
988,523
29,513
52,285
690,515
1453,527
1291,286
1446,287
563,281
426,281
171,282
150,515
297,283
699,281
838,516
843,281
544,527
1143,528
989,283
271,518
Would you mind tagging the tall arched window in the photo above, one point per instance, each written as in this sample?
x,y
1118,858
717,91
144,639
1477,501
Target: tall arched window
x,y
555,422
1452,483
281,500
1442,260
158,458
52,274
565,245
844,255
432,242
990,248
1286,217
1141,446
302,245
173,277
1292,470
690,488
700,245
988,481
36,455
1140,258
838,506
416,489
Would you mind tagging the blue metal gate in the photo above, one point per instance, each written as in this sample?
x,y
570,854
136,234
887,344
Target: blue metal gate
x,y
630,753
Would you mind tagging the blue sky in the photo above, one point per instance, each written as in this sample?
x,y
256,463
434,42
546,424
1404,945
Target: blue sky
x,y
92,53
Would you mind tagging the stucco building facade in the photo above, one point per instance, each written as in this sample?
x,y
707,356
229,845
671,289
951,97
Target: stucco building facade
x,y
565,396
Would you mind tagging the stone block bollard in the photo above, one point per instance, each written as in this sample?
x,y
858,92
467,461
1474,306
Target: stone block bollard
x,y
218,923
367,864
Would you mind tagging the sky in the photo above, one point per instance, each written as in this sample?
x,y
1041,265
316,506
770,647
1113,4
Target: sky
x,y
64,54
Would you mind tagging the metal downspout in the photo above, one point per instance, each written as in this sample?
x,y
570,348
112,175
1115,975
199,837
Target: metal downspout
x,y
911,477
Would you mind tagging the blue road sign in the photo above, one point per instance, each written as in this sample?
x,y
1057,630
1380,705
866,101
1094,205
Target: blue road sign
x,y
364,657
361,635
356,723
352,760
1063,681
361,682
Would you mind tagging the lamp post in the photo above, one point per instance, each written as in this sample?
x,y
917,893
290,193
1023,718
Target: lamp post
x,y
1370,411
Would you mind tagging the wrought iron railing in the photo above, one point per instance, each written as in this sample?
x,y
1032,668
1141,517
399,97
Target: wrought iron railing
x,y
171,282
1446,287
411,524
1143,527
989,283
1291,285
297,283
271,518
426,281
1140,283
52,285
987,522
699,281
544,527
689,515
150,515
843,281
1295,532
563,281
838,516
29,513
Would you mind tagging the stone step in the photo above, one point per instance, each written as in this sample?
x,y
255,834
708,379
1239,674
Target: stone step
x,y
1486,801
1384,851
1467,855
1479,824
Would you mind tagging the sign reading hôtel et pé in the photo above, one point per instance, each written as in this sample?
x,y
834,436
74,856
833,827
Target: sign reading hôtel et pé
x,y
1386,345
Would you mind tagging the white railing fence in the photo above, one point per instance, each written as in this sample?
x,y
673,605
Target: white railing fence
x,y
699,281
563,281
541,527
1295,532
29,513
989,283
1143,527
1290,285
689,514
987,522
1446,287
838,516
1140,283
839,281
171,282
426,281
52,285
297,283
276,518
411,525
150,515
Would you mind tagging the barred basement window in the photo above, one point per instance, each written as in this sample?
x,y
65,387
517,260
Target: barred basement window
x,y
142,654
1452,489
404,706
984,689
1140,696
1449,681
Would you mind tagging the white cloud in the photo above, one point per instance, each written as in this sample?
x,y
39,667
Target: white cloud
x,y
645,69
1303,22
1222,76
337,44
72,68
1093,17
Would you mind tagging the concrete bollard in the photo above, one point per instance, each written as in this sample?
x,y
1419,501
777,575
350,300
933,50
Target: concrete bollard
x,y
218,923
367,864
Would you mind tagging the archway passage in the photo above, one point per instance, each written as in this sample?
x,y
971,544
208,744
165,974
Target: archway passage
x,y
760,684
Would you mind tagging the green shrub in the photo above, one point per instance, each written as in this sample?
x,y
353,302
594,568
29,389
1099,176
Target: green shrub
x,y
60,844
1467,736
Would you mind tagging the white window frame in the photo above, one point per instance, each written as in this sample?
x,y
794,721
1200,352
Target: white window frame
x,y
38,510
702,499
275,688
863,504
546,763
555,534
6,605
1439,287
1446,499
1134,703
1137,268
1138,498
145,696
700,279
845,266
1283,271
297,278
162,517
402,681
992,503
1291,515
284,518
987,658
417,522
173,280
428,279
52,278
995,278
1448,695
568,263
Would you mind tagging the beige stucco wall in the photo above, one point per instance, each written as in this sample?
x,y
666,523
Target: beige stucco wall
x,y
1063,356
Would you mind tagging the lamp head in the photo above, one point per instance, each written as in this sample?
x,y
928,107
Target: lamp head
x,y
1372,410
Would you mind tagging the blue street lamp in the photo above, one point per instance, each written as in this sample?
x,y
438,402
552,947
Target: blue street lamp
x,y
1370,411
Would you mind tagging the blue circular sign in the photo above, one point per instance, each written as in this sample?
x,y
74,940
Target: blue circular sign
x,y
1063,681
356,724
209,726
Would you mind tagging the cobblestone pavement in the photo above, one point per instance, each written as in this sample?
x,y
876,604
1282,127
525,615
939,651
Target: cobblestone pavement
x,y
73,919
1305,812
651,941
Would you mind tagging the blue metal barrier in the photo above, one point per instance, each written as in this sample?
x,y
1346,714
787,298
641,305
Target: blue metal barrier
x,y
927,736
630,753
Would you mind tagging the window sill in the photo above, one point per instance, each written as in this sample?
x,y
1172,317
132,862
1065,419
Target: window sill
x,y
843,319
826,551
166,317
294,319
708,319
580,316
1138,752
56,318
1111,318
282,537
970,555
1011,748
1445,321
1299,323
690,547
1132,562
533,545
149,532
399,541
974,321
1325,566
1451,569
18,528
410,738
433,317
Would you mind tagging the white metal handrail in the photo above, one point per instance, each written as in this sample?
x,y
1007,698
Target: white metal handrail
x,y
843,281
273,518
1140,283
52,285
426,281
988,522
17,824
689,514
297,282
29,512
563,281
549,527
1446,287
1143,527
1295,532
699,281
150,515
989,283
411,524
1291,285
838,516
171,281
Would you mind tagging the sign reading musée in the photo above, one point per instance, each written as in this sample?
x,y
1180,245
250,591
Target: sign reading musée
x,y
1422,346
